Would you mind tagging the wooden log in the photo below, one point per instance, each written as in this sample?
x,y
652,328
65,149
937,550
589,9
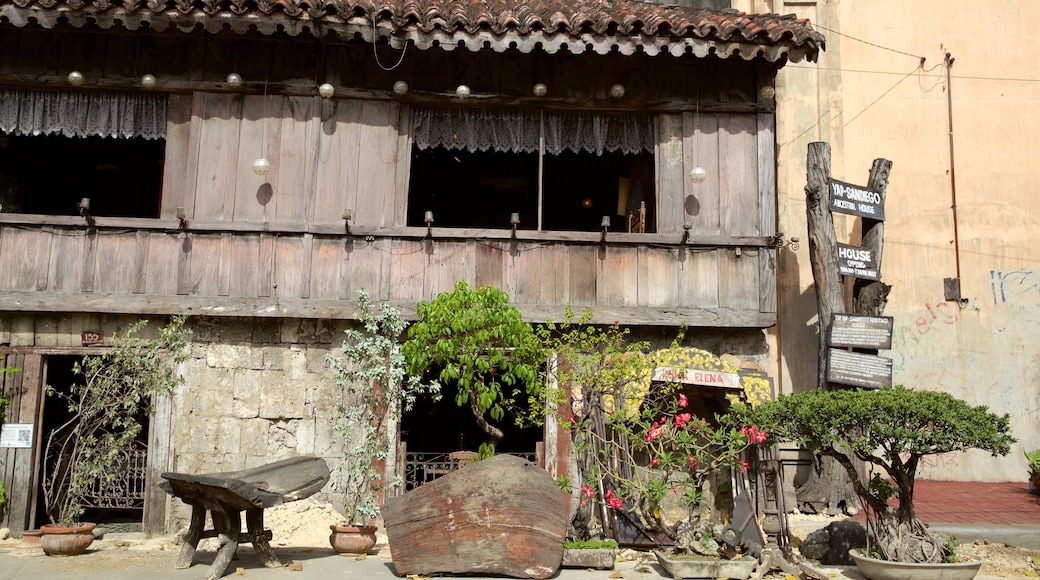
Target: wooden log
x,y
500,516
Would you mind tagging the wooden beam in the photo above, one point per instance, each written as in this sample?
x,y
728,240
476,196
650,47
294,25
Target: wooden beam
x,y
138,304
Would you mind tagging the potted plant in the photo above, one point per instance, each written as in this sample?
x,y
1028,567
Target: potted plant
x,y
889,430
106,408
1033,459
597,554
371,372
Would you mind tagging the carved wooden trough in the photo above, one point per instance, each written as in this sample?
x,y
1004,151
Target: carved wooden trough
x,y
500,516
226,495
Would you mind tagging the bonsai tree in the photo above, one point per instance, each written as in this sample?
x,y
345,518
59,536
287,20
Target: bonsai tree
x,y
890,430
107,407
481,344
375,391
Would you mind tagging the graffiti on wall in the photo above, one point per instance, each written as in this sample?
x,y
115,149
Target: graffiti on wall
x,y
1019,286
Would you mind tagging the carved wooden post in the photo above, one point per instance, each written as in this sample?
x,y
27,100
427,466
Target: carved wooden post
x,y
823,248
870,296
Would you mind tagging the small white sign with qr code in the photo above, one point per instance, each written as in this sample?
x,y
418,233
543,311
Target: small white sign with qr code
x,y
17,435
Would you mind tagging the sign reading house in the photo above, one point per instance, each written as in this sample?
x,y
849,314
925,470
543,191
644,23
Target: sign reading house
x,y
857,262
856,200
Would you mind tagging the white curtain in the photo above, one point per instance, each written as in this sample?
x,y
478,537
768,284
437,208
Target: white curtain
x,y
83,114
517,131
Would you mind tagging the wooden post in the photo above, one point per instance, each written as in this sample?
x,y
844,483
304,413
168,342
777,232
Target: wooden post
x,y
870,296
823,248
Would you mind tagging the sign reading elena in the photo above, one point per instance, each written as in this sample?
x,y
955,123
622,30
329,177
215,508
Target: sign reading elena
x,y
857,262
697,377
856,200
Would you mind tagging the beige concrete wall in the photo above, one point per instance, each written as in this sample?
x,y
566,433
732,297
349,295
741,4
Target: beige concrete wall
x,y
870,96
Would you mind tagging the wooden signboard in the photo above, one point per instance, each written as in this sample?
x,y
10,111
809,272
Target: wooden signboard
x,y
698,377
860,370
856,200
857,262
859,331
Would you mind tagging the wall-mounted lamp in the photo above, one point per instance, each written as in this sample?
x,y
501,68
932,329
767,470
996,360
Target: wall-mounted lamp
x,y
605,224
540,90
514,220
234,80
698,174
686,231
326,90
149,82
462,92
617,91
400,88
76,78
84,210
779,243
347,215
737,252
182,218
428,218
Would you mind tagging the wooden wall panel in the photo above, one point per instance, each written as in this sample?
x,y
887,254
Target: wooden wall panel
x,y
252,193
336,175
658,281
245,270
377,172
408,269
18,466
699,279
115,269
204,264
404,165
218,155
366,266
449,263
738,176
175,189
530,273
292,152
26,254
164,256
738,280
66,265
289,258
489,264
327,258
581,274
701,148
617,276
668,158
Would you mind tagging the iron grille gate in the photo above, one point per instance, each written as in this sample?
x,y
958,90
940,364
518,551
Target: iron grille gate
x,y
125,489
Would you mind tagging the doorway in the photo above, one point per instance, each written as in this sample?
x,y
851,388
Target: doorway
x,y
117,504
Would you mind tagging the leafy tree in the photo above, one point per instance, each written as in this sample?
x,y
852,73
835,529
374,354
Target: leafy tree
x,y
890,430
481,344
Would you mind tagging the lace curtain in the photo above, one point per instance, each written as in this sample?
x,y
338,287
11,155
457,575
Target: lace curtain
x,y
518,131
83,114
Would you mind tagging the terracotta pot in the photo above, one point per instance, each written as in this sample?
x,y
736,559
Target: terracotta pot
x,y
886,570
352,540
66,541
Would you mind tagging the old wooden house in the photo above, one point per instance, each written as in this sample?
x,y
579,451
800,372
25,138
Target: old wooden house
x,y
253,163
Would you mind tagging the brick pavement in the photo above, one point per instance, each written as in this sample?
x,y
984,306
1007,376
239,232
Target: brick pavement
x,y
1008,503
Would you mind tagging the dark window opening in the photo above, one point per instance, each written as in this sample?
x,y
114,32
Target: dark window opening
x,y
483,189
50,174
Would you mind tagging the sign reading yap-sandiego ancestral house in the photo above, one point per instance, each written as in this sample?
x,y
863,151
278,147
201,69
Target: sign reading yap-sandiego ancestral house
x,y
858,369
859,331
857,262
856,200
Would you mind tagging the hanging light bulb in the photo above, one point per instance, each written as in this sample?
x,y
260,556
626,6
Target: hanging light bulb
x,y
400,88
234,80
698,174
462,92
76,78
261,165
540,90
617,91
149,82
326,90
767,92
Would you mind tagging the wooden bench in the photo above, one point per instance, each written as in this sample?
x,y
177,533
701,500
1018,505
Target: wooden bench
x,y
226,495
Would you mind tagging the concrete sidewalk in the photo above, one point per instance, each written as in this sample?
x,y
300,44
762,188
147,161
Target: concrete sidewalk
x,y
129,556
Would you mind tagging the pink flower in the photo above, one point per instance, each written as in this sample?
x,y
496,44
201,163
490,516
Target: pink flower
x,y
654,432
682,419
744,466
754,435
692,462
683,401
654,461
613,500
587,491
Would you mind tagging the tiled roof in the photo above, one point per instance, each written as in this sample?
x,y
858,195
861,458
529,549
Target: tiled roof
x,y
574,25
